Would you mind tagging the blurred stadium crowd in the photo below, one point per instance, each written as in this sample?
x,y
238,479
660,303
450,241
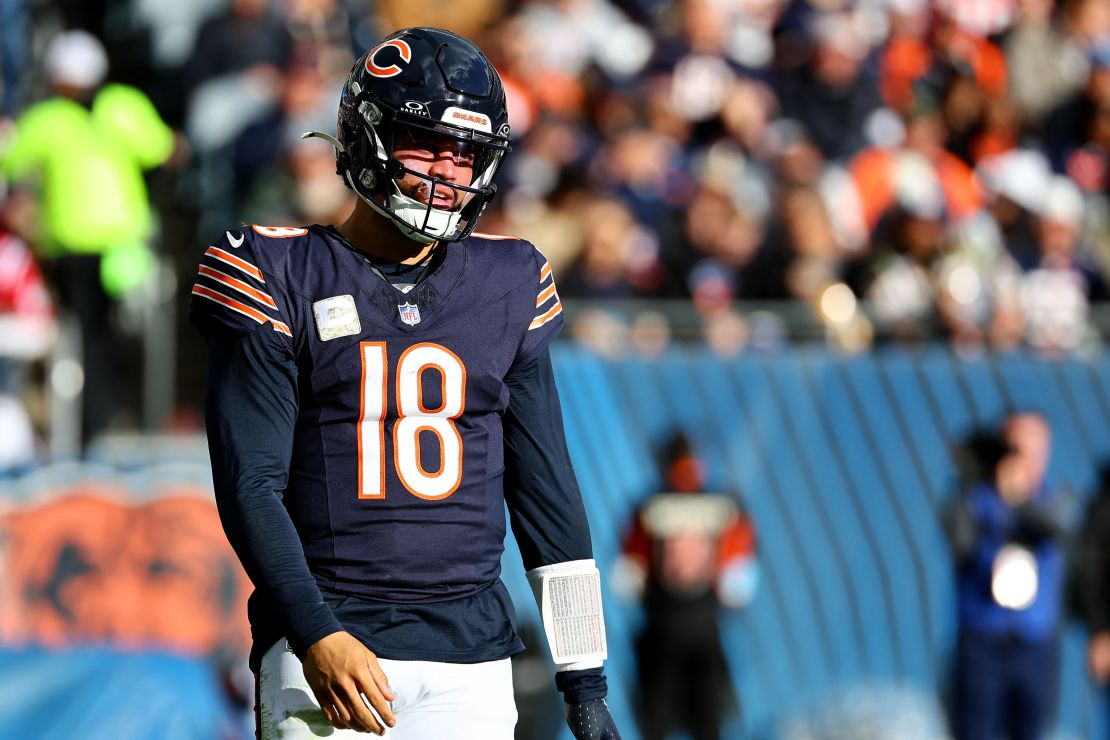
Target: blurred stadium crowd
x,y
901,169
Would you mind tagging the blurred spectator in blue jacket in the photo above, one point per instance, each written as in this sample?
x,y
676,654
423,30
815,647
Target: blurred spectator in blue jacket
x,y
1075,131
1007,533
833,94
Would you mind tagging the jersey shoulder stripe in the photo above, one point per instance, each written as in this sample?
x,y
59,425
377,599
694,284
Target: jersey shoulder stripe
x,y
237,262
238,285
279,232
231,288
545,295
546,316
548,305
240,308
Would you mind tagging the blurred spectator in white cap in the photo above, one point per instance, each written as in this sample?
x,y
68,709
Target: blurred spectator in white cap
x,y
982,17
910,240
1015,184
980,282
76,63
1054,295
578,33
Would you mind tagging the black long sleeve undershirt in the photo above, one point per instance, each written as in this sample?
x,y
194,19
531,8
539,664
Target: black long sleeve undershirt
x,y
250,413
545,505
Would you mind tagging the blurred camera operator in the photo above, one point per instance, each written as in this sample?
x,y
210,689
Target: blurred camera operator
x,y
1007,533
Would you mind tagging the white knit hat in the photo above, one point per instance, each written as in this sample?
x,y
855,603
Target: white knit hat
x,y
1063,203
76,58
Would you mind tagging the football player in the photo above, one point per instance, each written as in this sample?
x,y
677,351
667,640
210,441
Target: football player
x,y
378,391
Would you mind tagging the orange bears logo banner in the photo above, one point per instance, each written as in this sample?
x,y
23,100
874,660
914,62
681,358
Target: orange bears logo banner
x,y
94,563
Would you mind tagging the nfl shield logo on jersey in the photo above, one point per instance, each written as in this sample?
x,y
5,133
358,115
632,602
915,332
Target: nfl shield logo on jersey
x,y
410,314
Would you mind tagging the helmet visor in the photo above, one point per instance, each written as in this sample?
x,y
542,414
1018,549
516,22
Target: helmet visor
x,y
480,150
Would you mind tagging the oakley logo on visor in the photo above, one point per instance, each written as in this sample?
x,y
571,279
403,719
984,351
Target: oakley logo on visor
x,y
391,70
467,119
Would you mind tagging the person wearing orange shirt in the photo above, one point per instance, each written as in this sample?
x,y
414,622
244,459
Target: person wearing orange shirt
x,y
687,553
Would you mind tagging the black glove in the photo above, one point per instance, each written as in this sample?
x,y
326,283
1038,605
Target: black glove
x,y
587,713
590,720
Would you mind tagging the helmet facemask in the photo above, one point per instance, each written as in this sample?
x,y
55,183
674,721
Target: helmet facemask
x,y
424,207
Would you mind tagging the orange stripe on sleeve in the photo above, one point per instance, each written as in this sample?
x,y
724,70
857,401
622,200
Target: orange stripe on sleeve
x,y
546,316
231,303
238,285
545,294
231,259
545,271
242,308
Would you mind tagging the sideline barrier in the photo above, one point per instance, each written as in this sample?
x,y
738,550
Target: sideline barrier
x,y
134,561
846,463
122,607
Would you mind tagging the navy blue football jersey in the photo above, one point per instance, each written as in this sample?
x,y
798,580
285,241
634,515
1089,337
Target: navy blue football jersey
x,y
395,485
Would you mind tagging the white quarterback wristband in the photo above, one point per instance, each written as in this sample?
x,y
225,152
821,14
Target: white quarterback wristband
x,y
569,597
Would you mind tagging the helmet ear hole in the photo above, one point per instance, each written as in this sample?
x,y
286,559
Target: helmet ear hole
x,y
394,169
370,112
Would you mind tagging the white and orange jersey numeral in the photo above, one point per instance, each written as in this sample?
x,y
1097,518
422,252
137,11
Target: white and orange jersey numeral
x,y
414,418
371,426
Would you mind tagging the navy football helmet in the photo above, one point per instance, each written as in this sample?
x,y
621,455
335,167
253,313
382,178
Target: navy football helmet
x,y
422,85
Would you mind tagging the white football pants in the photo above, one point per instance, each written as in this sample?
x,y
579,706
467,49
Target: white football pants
x,y
435,701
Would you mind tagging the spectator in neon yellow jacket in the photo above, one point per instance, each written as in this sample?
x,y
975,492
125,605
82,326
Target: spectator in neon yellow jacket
x,y
89,149
83,151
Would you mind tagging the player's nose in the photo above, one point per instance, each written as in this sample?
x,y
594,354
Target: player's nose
x,y
444,167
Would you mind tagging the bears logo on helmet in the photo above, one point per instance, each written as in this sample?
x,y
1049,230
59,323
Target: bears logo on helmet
x,y
392,70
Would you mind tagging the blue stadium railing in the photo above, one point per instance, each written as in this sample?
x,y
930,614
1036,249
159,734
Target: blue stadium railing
x,y
846,463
